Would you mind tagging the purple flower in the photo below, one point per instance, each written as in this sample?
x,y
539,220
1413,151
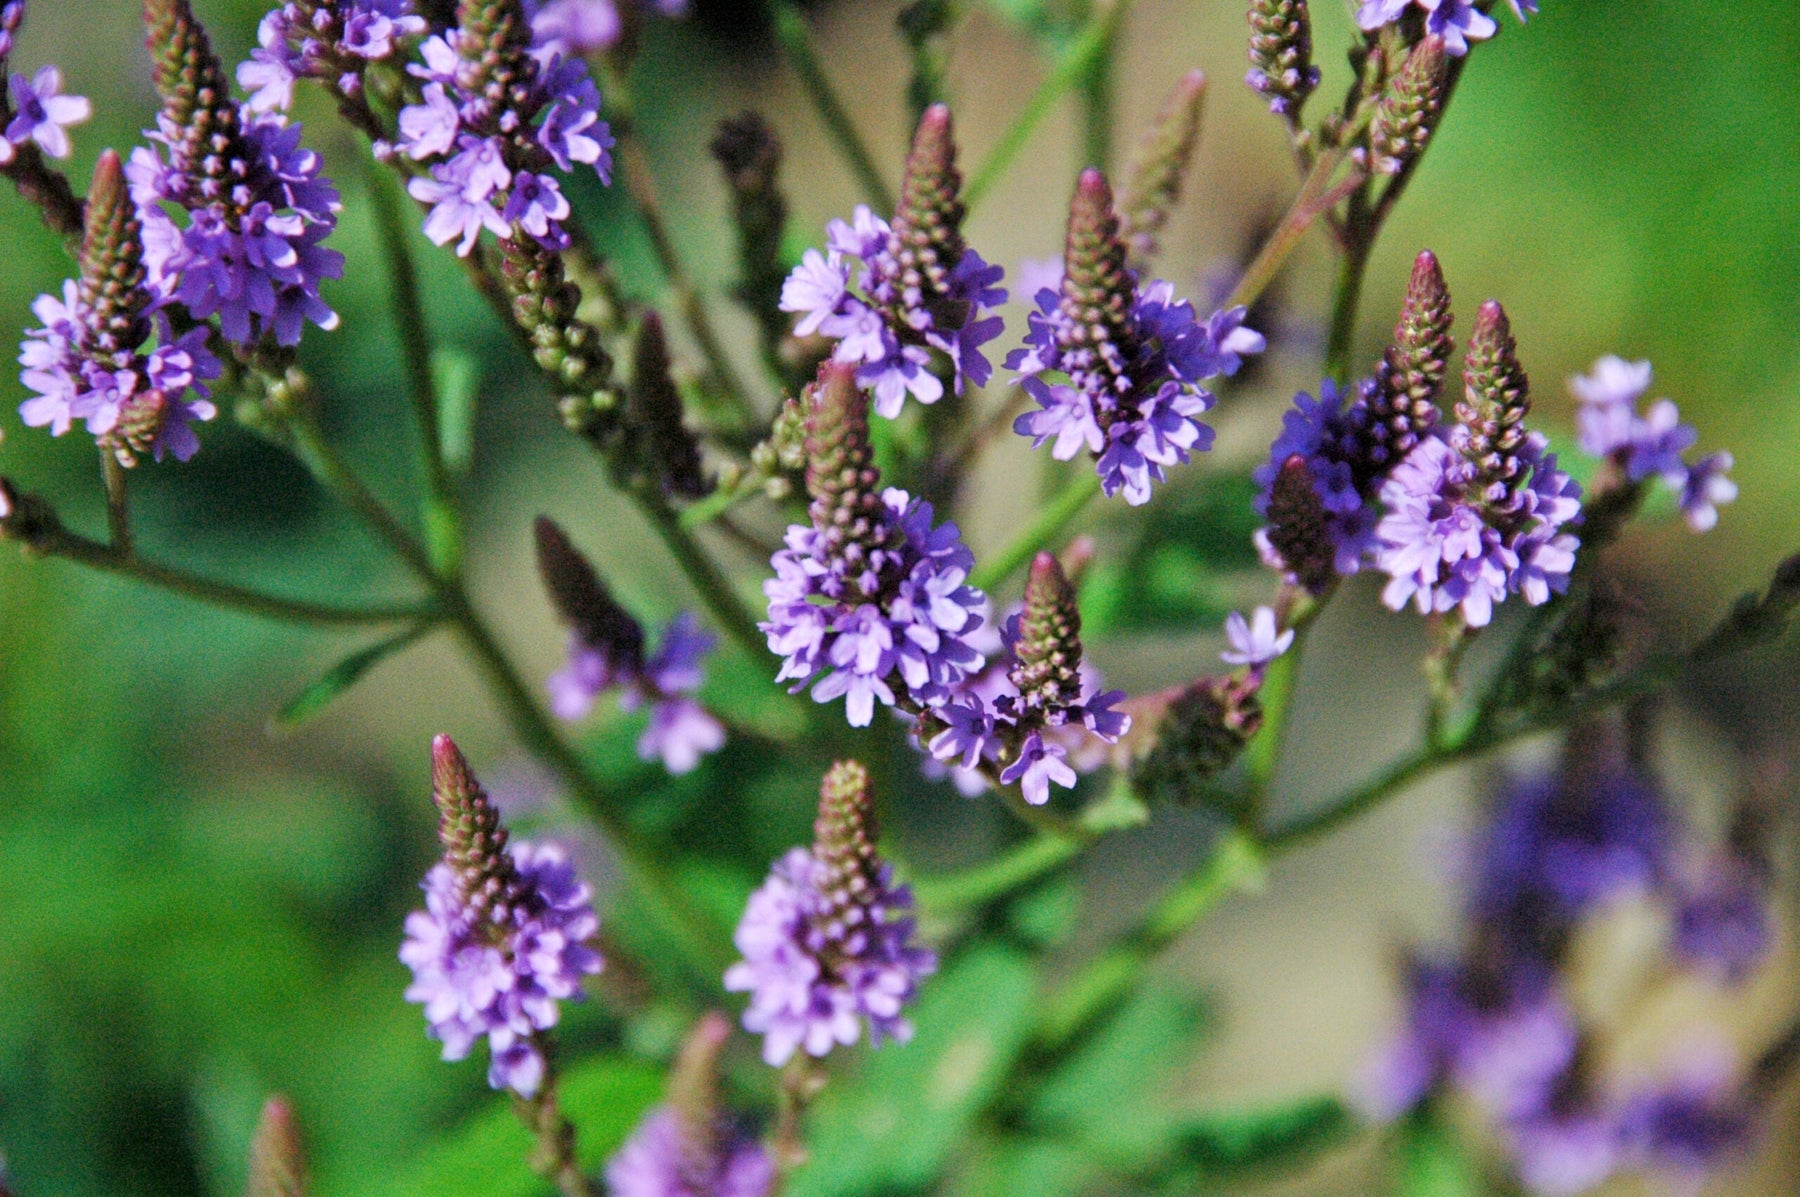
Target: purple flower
x,y
816,971
1039,763
1650,444
334,42
680,731
1331,437
1691,1123
251,253
1723,918
658,1161
1134,401
1255,642
857,295
501,968
490,147
42,114
1459,22
858,627
1446,546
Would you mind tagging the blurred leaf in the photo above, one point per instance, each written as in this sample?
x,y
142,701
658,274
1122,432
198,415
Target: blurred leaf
x,y
1276,1136
1176,574
1429,1160
1046,915
456,376
1109,1094
1040,1167
486,1156
894,1125
346,673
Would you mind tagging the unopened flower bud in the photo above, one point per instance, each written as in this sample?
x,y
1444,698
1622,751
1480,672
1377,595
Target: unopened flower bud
x,y
1046,665
1281,55
1408,111
1403,403
469,828
1497,395
584,602
653,408
1153,184
1204,730
925,236
277,1159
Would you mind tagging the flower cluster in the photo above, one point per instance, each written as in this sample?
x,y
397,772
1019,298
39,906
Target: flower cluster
x,y
890,294
607,652
577,28
92,360
1484,512
334,41
870,601
689,1146
827,939
1649,444
494,121
1502,1026
1026,721
1319,485
505,935
1458,22
1131,359
257,207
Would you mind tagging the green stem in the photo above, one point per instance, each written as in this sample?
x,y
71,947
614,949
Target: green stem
x,y
1347,294
1361,799
118,512
443,528
1073,68
1097,100
109,559
1235,863
645,881
1018,866
721,601
796,43
322,459
1050,523
696,515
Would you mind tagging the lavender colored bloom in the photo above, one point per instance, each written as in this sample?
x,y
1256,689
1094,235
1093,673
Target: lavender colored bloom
x,y
1132,399
1458,22
1723,919
657,1161
252,252
680,731
1447,547
490,149
815,973
42,114
334,42
501,969
857,295
1039,763
1650,444
858,628
1563,1152
1255,642
1329,435
1692,1123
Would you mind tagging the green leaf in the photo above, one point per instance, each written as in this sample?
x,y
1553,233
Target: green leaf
x,y
1180,571
1040,1167
1270,1137
343,675
1110,1094
487,1156
893,1126
456,376
1429,1160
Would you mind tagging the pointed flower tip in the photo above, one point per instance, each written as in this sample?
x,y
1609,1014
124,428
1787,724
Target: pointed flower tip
x,y
1491,323
1427,273
935,125
277,1166
452,781
1092,190
846,787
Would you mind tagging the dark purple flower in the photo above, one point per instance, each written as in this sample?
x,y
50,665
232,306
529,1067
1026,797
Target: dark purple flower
x,y
252,252
42,114
658,1161
501,969
1690,1124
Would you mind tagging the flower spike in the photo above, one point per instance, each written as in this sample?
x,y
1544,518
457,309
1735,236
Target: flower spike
x,y
469,828
1496,399
1154,180
1281,66
584,602
1408,112
925,237
653,406
1046,666
1403,403
277,1159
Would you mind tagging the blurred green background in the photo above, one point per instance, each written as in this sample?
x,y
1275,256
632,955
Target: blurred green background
x,y
196,910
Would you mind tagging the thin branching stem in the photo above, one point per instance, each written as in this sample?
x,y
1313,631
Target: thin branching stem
x,y
797,45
